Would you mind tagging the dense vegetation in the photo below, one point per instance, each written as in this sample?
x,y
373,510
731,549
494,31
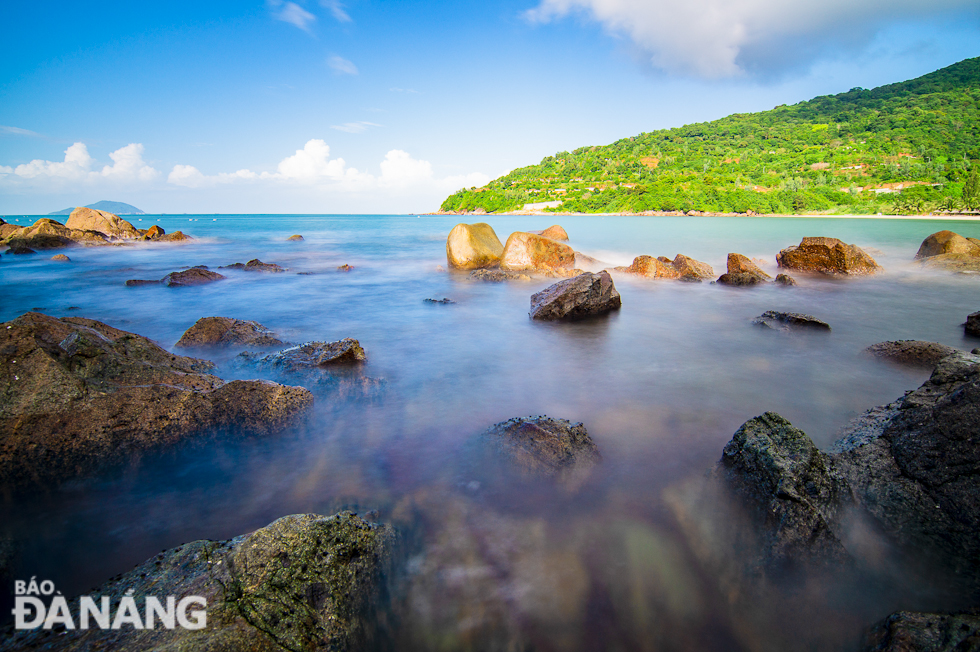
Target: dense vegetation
x,y
909,147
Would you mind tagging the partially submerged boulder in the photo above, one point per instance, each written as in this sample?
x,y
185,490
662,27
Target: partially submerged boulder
x,y
61,258
312,354
324,367
193,276
473,246
554,232
947,242
498,275
692,270
776,320
76,394
530,252
542,447
914,353
303,582
155,232
911,631
583,296
742,272
226,331
255,265
681,267
827,256
110,225
295,238
972,325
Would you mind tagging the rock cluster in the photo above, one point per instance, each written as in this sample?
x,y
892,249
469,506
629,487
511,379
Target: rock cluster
x,y
226,331
85,226
827,256
681,267
585,295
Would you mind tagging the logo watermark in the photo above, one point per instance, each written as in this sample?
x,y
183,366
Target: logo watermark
x,y
30,610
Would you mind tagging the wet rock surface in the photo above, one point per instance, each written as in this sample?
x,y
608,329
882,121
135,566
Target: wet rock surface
x,y
946,243
473,246
914,353
497,275
255,265
827,256
333,368
304,582
585,295
909,631
776,320
972,325
226,331
530,252
76,394
542,447
189,277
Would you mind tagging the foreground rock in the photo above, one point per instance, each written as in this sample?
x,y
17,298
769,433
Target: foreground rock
x,y
542,447
972,325
304,582
473,246
46,233
776,320
914,353
682,267
909,631
947,242
585,295
199,275
76,394
530,252
225,331
827,256
255,265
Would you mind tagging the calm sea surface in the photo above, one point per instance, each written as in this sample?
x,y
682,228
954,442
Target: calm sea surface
x,y
661,386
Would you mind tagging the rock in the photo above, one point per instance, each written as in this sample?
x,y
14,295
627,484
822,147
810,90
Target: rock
x,y
785,279
739,264
544,447
188,277
554,232
112,226
154,233
498,275
909,631
789,320
225,331
7,229
76,394
962,263
972,325
794,492
690,269
947,242
303,582
324,367
827,256
651,267
915,353
914,466
741,280
176,236
295,238
529,252
255,265
445,300
473,246
61,258
43,234
583,296
20,251
312,354
136,282
345,268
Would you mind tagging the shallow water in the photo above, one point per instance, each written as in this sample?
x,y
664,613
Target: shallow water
x,y
661,386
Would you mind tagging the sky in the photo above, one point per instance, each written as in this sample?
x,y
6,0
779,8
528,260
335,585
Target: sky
x,y
388,106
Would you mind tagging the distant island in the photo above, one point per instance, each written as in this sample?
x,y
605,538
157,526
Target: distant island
x,y
115,207
906,148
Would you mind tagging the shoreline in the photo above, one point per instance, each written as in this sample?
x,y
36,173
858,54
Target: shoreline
x,y
959,217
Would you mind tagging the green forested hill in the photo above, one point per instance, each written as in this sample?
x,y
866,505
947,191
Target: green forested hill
x,y
916,143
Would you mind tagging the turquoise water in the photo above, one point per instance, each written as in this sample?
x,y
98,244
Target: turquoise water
x,y
661,386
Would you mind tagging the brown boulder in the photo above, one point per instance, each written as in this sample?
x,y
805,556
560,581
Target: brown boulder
x,y
78,394
739,264
827,256
554,232
972,325
544,447
472,246
112,226
7,229
154,233
947,242
583,296
952,262
529,252
192,276
651,267
61,258
225,331
785,279
176,236
43,234
691,269
915,353
295,238
255,265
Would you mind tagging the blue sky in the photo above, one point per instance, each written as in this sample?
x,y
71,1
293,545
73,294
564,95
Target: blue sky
x,y
365,106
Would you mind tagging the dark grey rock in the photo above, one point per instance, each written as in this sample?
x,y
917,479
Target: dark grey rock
x,y
972,325
911,352
255,265
789,321
442,301
742,279
189,277
543,447
585,295
785,279
909,631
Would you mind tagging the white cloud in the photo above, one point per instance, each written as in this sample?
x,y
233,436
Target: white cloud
x,y
337,9
292,13
128,164
354,127
76,165
728,38
342,65
17,131
400,169
190,177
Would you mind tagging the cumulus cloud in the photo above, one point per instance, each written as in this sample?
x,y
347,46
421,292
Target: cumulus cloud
x,y
292,13
128,164
190,177
77,165
354,127
728,38
342,65
336,8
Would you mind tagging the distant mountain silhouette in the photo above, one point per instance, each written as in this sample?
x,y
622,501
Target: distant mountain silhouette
x,y
115,207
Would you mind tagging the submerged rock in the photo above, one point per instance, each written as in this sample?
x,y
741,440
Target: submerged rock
x,y
911,352
544,447
741,280
325,367
776,320
910,631
155,232
498,275
77,394
255,265
188,277
473,246
529,252
651,267
827,256
312,354
785,279
742,272
972,325
303,582
225,331
295,238
20,251
585,295
444,300
61,258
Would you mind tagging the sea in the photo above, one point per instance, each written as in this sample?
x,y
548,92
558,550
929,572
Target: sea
x,y
661,386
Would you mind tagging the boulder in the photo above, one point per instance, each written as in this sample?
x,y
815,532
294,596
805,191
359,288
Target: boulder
x,y
43,234
651,267
741,280
915,353
529,252
225,331
327,368
7,229
311,355
112,226
972,325
542,447
910,631
794,493
785,279
303,582
346,267
472,246
136,282
176,236
20,251
554,232
295,238
255,265
154,233
78,394
497,275
188,277
692,270
827,256
443,301
739,264
61,258
583,296
947,242
775,320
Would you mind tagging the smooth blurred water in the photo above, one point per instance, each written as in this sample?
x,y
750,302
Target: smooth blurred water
x,y
661,386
